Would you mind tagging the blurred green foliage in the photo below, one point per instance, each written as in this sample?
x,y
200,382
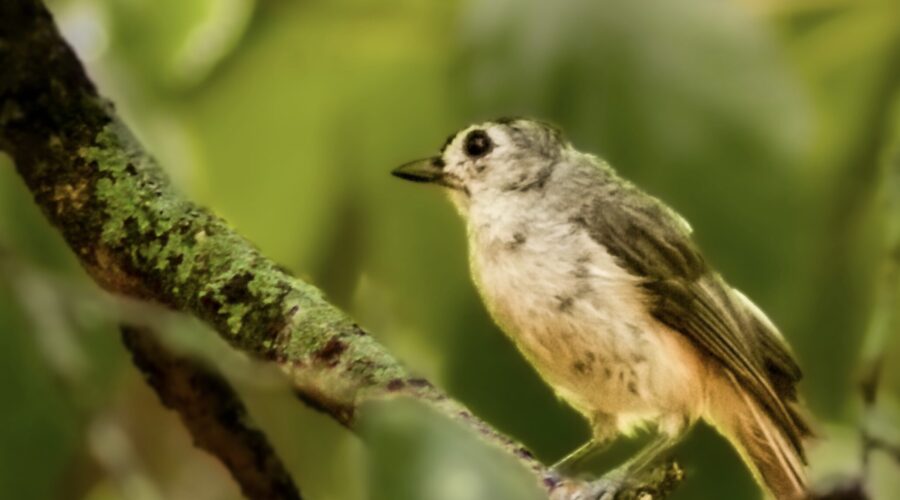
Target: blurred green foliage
x,y
409,443
769,125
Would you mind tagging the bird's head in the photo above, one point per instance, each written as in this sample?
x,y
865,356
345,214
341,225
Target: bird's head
x,y
507,155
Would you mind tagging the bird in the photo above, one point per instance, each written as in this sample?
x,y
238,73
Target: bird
x,y
602,289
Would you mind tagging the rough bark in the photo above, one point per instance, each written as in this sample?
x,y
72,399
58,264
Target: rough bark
x,y
136,236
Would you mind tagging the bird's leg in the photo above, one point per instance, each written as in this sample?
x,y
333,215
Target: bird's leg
x,y
604,430
569,464
579,455
607,486
649,455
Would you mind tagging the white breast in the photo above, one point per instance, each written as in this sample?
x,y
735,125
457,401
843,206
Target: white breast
x,y
578,316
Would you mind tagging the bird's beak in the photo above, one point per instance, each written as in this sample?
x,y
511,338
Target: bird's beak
x,y
424,170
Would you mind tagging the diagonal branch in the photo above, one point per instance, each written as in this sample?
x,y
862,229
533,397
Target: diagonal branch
x,y
214,415
136,236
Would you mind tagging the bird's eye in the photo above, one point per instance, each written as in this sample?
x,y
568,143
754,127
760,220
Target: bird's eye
x,y
477,144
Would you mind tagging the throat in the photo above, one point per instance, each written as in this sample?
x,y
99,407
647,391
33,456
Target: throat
x,y
512,222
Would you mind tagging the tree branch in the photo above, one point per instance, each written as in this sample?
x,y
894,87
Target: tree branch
x,y
136,236
213,414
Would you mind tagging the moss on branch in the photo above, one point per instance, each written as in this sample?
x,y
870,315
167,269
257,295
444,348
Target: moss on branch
x,y
137,236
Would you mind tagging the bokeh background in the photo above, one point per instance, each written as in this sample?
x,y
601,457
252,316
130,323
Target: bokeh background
x,y
772,126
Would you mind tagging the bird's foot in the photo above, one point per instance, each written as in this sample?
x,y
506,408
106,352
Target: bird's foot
x,y
553,479
604,488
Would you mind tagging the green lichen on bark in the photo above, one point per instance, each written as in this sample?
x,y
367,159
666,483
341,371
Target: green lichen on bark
x,y
126,185
192,258
137,236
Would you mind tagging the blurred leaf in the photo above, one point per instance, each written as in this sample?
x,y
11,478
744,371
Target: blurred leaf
x,y
281,128
175,44
853,34
415,452
37,425
646,81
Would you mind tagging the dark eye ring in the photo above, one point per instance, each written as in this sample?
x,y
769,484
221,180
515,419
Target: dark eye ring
x,y
477,144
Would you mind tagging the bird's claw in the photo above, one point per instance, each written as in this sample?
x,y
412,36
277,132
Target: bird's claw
x,y
604,488
553,479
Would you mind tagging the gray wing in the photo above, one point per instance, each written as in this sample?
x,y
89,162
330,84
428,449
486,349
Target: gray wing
x,y
684,293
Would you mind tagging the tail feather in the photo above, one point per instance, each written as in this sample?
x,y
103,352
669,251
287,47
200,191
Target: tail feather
x,y
776,461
